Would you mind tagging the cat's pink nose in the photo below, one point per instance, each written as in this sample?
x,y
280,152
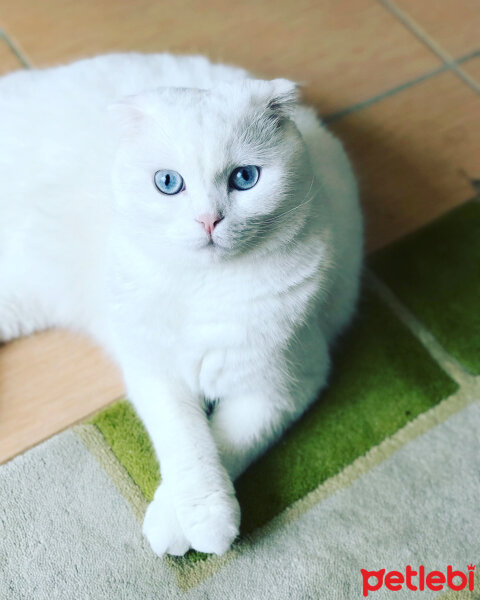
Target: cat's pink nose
x,y
209,222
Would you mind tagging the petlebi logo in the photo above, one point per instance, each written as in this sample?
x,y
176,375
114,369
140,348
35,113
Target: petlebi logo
x,y
418,579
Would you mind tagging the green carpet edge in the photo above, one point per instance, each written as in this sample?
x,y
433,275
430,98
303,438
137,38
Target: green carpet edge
x,y
435,273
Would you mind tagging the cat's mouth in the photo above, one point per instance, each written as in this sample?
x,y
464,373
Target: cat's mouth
x,y
213,245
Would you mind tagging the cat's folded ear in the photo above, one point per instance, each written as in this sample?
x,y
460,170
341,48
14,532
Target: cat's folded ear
x,y
282,98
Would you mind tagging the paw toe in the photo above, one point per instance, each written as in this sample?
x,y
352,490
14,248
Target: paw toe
x,y
162,529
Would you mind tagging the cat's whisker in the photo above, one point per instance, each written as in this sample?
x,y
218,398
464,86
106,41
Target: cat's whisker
x,y
309,197
279,217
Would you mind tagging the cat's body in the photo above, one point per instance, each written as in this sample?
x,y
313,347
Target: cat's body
x,y
239,314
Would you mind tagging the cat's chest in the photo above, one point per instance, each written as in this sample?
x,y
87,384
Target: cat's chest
x,y
212,309
215,332
219,335
201,321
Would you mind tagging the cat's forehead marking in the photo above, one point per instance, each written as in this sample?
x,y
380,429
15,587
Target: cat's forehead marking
x,y
205,134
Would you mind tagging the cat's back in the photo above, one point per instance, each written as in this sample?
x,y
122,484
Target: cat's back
x,y
340,216
90,84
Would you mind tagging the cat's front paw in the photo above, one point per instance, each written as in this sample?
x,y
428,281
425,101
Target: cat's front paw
x,y
161,526
206,523
211,523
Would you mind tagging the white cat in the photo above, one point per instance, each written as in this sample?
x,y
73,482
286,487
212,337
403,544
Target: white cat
x,y
206,232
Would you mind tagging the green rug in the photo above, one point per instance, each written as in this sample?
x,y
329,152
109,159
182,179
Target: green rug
x,y
436,273
383,470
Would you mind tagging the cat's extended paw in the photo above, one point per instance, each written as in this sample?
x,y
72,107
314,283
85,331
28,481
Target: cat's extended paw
x,y
161,526
207,524
211,523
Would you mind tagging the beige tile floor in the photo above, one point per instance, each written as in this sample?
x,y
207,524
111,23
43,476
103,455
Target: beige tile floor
x,y
398,81
453,24
472,68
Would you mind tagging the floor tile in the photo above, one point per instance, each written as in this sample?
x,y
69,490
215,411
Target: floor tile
x,y
436,273
455,25
415,154
345,50
8,60
382,379
47,382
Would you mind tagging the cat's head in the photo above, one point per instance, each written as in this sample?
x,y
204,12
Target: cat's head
x,y
212,174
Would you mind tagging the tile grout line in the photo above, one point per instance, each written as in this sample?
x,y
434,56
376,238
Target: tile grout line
x,y
447,362
467,78
335,116
417,30
14,48
330,118
468,56
436,48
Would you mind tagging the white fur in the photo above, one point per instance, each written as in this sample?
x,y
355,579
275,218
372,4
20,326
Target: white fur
x,y
88,242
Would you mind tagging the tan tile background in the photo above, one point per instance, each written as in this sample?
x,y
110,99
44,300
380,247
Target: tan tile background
x,y
48,381
414,154
472,67
415,148
332,45
8,60
454,24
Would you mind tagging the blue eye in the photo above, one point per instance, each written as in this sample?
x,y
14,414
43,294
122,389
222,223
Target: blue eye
x,y
244,178
169,182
